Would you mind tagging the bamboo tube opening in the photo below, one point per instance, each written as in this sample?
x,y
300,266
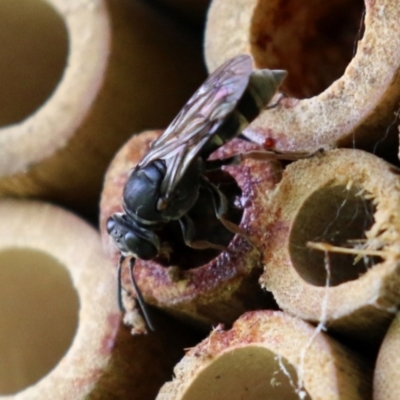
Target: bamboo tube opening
x,y
343,63
251,372
269,355
34,50
320,36
332,245
36,329
96,71
335,215
201,286
48,348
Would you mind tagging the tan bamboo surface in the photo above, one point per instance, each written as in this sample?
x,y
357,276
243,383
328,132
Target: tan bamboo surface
x,y
78,78
221,289
61,334
387,368
349,199
268,354
343,84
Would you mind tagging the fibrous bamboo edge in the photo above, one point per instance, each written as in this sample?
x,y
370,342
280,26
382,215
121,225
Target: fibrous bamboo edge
x,y
103,360
223,288
269,354
357,95
386,375
350,198
125,71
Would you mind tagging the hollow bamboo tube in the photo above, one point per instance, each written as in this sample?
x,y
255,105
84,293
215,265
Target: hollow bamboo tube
x,y
61,339
343,90
349,199
85,75
216,290
268,354
387,368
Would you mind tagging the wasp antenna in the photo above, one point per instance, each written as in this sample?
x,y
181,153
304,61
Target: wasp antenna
x,y
119,272
142,303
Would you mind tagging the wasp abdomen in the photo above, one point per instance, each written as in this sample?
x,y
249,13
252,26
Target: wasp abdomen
x,y
262,86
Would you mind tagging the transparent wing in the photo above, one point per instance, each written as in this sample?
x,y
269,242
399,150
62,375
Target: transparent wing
x,y
196,123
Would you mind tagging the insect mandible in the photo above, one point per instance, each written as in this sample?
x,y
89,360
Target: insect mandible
x,y
165,184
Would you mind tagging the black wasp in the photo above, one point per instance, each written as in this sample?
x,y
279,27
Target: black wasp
x,y
165,184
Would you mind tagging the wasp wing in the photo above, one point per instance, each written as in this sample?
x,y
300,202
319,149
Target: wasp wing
x,y
198,120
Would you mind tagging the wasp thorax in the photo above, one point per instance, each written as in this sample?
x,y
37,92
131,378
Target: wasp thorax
x,y
141,192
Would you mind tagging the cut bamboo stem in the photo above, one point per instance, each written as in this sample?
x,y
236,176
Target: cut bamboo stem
x,y
387,368
85,75
65,340
216,289
344,201
269,354
343,89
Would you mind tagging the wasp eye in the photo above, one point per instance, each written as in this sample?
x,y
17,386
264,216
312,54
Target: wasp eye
x,y
110,225
139,246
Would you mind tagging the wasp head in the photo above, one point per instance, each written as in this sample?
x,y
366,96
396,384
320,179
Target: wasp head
x,y
131,239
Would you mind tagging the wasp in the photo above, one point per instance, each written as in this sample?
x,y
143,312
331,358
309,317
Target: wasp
x,y
165,184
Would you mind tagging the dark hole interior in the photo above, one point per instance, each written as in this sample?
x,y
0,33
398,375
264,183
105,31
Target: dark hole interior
x,y
207,226
313,40
335,215
34,51
39,309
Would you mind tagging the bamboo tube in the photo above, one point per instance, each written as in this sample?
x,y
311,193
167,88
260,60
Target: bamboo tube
x,y
343,90
269,354
85,75
61,335
349,199
200,286
386,375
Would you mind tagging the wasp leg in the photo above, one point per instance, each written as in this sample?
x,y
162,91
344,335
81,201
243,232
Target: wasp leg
x,y
261,155
188,230
276,104
276,155
140,299
221,209
212,165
